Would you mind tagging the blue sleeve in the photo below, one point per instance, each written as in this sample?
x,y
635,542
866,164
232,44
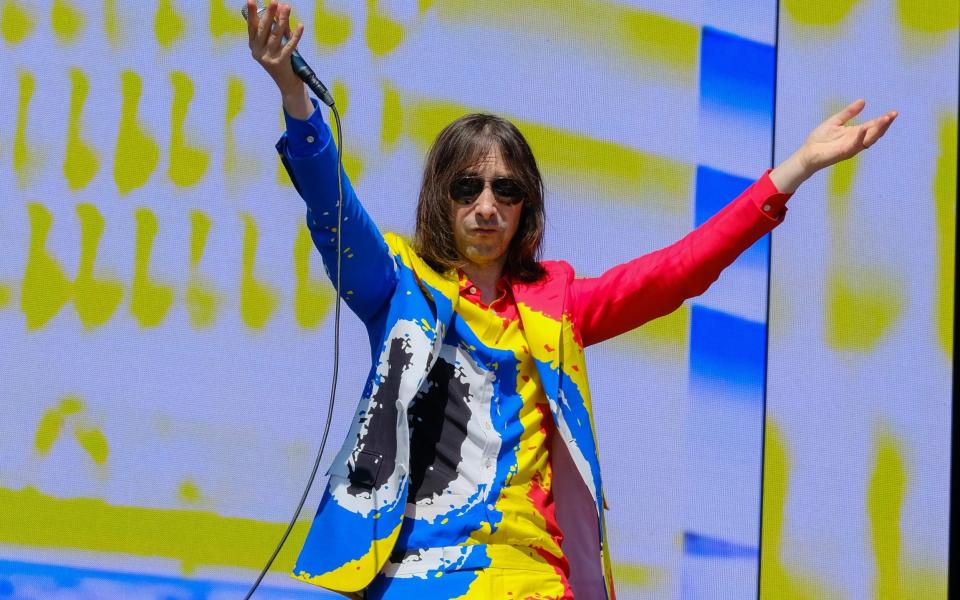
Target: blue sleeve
x,y
310,158
305,138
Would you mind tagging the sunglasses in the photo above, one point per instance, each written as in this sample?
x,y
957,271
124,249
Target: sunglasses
x,y
465,190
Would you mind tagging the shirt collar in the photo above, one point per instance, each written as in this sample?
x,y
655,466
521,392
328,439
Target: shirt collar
x,y
468,289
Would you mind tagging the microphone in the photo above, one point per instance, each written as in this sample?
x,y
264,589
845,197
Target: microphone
x,y
300,66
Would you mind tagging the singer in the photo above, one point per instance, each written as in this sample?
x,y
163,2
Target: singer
x,y
470,469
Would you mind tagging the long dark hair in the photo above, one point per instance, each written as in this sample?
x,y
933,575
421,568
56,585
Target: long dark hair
x,y
461,145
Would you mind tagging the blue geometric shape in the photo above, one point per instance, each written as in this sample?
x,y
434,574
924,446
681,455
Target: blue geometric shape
x,y
695,544
728,349
714,190
737,73
131,584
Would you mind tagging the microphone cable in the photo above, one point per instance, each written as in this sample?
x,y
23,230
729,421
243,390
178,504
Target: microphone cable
x,y
336,355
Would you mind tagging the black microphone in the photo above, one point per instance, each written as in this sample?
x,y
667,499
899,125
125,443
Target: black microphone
x,y
300,66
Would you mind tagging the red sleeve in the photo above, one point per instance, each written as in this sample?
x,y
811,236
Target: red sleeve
x,y
656,284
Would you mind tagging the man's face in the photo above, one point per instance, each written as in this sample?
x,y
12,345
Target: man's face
x,y
482,230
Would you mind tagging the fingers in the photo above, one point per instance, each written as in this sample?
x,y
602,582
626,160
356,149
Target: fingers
x,y
253,20
292,42
853,109
281,30
882,120
858,142
877,128
283,21
266,23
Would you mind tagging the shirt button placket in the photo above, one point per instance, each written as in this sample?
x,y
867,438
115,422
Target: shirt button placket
x,y
488,433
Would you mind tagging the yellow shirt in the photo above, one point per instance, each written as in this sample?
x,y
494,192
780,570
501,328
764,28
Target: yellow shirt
x,y
480,431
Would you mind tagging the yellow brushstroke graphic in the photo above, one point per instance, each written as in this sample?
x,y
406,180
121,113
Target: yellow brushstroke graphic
x,y
5,295
195,538
925,582
818,12
777,580
66,21
187,163
52,421
149,300
885,496
312,297
26,162
46,287
896,576
352,163
383,34
189,492
258,301
662,39
17,22
80,162
169,26
71,409
666,338
94,442
945,210
235,101
646,39
111,23
225,20
392,122
238,167
137,153
616,172
929,16
862,302
201,298
631,575
840,187
330,29
341,97
95,299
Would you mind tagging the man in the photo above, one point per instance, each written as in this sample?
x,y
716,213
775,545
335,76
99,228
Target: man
x,y
470,469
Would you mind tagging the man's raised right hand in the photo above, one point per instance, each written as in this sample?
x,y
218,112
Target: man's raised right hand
x,y
265,35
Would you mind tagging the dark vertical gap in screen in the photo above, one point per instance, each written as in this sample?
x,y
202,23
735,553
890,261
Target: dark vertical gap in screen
x,y
954,474
766,356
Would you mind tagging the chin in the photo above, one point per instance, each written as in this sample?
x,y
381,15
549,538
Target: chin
x,y
484,255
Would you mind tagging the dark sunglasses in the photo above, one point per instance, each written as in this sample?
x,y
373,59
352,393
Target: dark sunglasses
x,y
465,190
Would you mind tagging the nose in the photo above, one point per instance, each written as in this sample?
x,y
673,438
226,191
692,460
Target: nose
x,y
486,204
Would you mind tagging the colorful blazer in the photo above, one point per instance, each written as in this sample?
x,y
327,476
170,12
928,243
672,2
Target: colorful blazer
x,y
407,306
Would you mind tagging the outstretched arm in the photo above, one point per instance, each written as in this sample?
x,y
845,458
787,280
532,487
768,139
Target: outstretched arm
x,y
656,284
310,157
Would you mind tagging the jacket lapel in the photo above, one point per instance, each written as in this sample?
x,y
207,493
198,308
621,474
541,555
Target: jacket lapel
x,y
441,289
543,337
540,306
544,331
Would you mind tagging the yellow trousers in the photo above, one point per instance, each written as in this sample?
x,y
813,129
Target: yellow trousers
x,y
474,584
